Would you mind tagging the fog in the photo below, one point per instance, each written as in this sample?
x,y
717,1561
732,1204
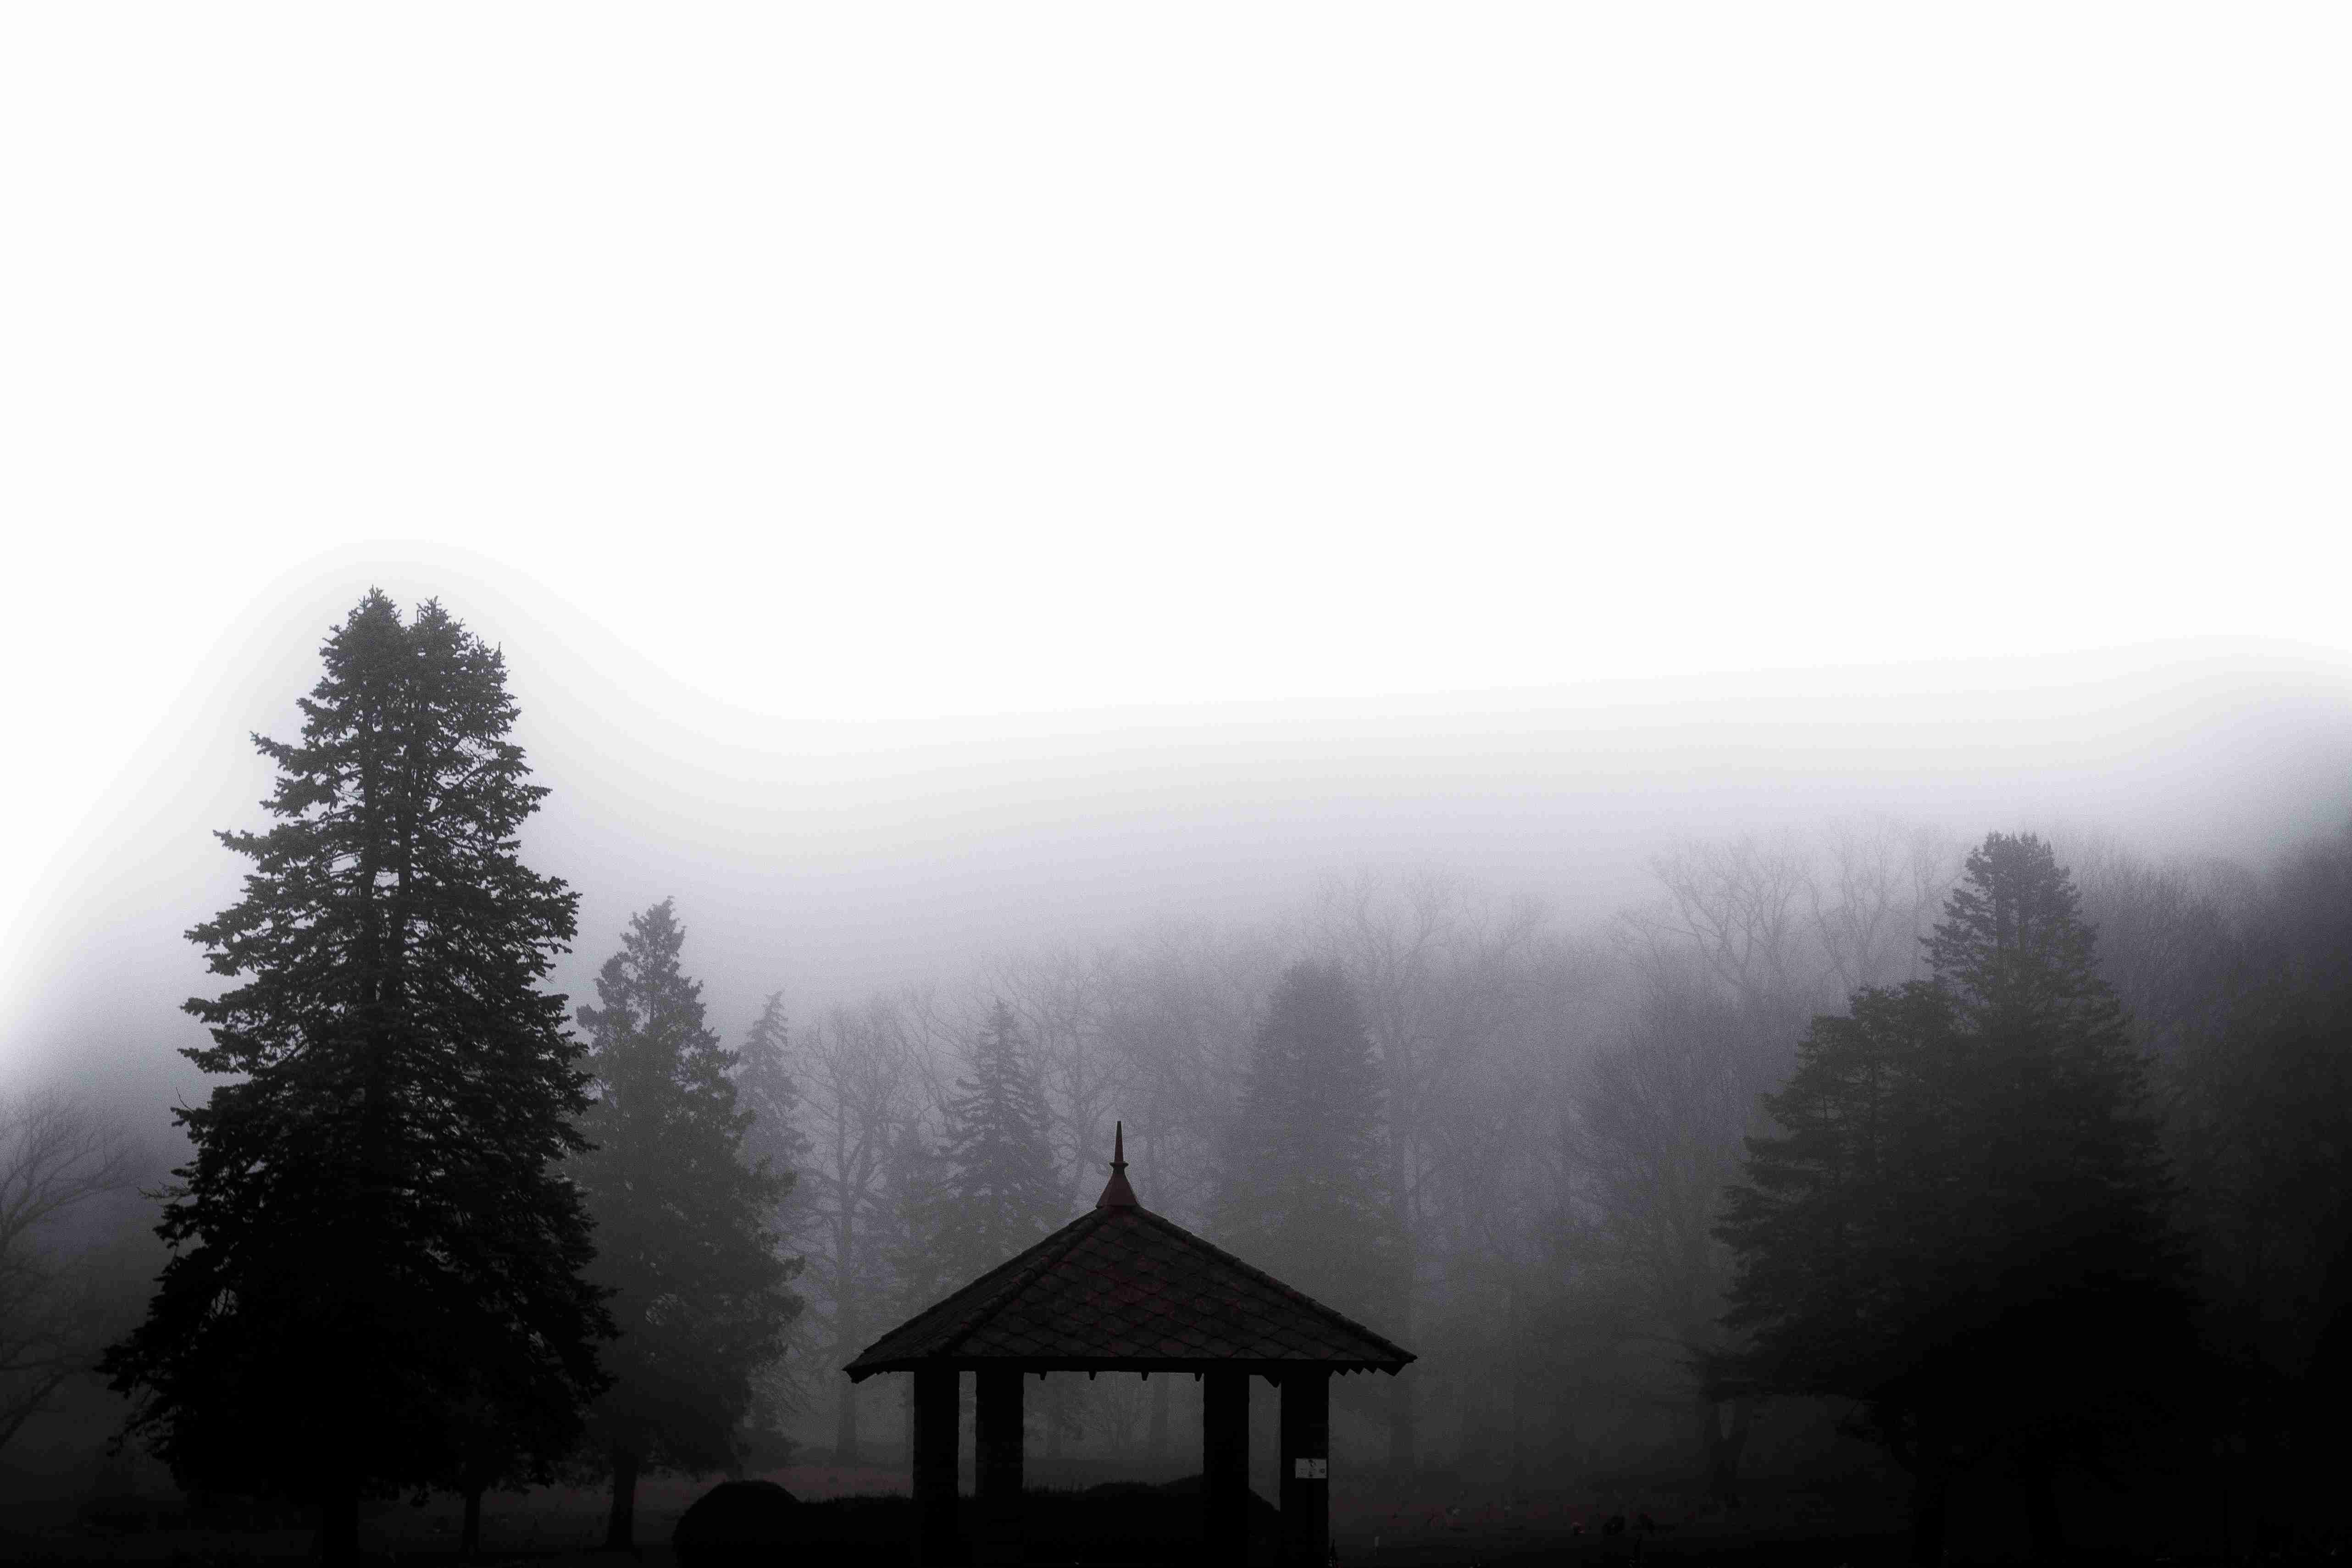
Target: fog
x,y
1084,553
1583,918
833,860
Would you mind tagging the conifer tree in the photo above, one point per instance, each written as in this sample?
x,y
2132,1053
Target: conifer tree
x,y
375,1276
1962,1220
1000,1152
914,1228
766,1088
684,1240
1306,1176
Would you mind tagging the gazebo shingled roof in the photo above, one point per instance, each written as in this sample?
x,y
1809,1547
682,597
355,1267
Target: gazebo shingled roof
x,y
1120,1287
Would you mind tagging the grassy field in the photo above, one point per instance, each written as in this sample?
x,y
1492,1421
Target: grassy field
x,y
557,1527
552,1527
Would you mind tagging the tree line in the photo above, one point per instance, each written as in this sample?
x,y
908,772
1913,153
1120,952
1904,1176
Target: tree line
x,y
1842,1136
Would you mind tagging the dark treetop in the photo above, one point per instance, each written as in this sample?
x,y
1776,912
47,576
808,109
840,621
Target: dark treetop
x,y
1002,1191
1305,1172
1960,1220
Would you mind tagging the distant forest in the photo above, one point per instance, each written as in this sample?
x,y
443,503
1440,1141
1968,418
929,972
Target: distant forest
x,y
1845,1149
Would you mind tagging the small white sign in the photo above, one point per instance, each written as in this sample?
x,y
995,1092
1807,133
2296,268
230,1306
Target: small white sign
x,y
1311,1469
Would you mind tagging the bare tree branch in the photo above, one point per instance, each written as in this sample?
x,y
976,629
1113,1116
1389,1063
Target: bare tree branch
x,y
57,1152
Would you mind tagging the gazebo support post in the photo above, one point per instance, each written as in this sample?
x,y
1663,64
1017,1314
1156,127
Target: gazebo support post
x,y
1232,1323
996,1435
1224,1465
1306,1465
935,1464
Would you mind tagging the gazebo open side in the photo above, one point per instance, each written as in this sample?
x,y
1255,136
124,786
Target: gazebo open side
x,y
1121,1289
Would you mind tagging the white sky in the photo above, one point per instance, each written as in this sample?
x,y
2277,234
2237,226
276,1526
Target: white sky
x,y
892,363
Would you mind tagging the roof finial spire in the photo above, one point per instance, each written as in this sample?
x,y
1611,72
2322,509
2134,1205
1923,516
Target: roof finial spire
x,y
1116,1193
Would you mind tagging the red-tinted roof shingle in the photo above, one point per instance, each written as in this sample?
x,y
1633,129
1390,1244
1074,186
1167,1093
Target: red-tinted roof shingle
x,y
1121,1285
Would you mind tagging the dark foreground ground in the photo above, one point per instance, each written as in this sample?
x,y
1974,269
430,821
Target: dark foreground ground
x,y
852,1516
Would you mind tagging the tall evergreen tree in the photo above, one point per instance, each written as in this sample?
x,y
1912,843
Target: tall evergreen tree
x,y
999,1151
915,1225
684,1238
1963,1219
1305,1171
766,1088
372,1235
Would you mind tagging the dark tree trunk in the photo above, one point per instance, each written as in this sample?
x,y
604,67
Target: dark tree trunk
x,y
469,1537
1518,1426
339,1526
1402,1461
844,1425
621,1528
1725,1440
1931,1486
2041,1516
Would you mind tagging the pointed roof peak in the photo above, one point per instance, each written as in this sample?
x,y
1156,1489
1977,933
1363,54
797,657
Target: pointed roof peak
x,y
1116,1193
1125,1288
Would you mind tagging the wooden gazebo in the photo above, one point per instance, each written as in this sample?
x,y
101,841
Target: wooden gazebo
x,y
1119,1288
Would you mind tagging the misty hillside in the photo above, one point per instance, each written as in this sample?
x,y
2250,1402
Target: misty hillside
x,y
833,860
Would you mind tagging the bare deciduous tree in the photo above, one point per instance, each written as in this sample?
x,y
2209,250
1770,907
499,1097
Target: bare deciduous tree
x,y
1878,895
1062,999
1187,1001
1753,937
1441,967
56,1154
1739,905
2168,932
856,1072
